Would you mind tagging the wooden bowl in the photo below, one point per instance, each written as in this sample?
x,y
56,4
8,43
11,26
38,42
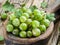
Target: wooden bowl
x,y
27,40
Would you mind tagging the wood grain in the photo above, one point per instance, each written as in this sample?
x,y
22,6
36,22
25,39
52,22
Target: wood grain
x,y
52,7
55,35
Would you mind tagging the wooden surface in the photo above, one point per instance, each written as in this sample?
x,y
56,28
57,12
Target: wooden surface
x,y
58,43
52,5
55,35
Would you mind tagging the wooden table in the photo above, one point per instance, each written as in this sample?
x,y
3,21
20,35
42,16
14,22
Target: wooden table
x,y
52,5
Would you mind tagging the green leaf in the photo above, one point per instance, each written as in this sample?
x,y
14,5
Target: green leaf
x,y
18,13
1,38
7,6
50,16
33,7
44,4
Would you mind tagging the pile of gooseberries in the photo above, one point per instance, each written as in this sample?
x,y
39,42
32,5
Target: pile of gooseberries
x,y
29,23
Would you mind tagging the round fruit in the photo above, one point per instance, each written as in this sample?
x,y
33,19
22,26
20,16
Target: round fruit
x,y
29,33
22,34
36,12
29,21
16,22
12,17
42,12
23,19
36,32
46,22
9,28
24,9
26,15
4,16
42,28
38,17
23,26
29,11
15,32
35,23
